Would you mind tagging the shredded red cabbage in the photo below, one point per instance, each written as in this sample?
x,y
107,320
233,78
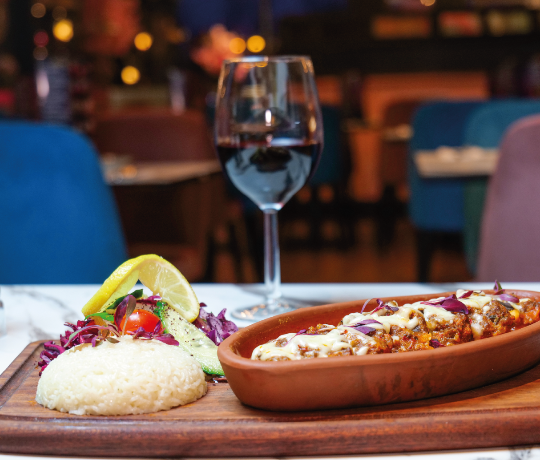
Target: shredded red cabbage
x,y
508,298
165,338
88,331
449,303
367,321
216,328
381,305
365,304
364,329
501,295
455,306
466,295
300,332
435,343
51,350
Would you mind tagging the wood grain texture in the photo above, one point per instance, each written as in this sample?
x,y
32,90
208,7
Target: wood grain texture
x,y
502,414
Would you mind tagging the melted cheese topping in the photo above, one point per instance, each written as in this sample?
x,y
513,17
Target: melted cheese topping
x,y
321,346
346,338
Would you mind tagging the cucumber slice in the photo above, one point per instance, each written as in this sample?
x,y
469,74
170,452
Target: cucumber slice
x,y
192,340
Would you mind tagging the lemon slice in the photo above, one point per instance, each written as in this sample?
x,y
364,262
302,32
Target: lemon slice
x,y
158,275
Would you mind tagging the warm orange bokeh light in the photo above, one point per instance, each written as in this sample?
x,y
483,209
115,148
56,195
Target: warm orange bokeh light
x,y
256,44
63,30
130,75
143,41
237,45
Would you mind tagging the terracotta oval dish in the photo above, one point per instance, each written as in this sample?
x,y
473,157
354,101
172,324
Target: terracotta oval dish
x,y
353,381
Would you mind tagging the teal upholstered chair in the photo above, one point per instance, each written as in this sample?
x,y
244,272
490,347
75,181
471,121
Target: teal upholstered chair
x,y
58,219
436,205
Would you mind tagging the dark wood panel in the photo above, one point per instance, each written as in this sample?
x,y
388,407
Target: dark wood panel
x,y
503,414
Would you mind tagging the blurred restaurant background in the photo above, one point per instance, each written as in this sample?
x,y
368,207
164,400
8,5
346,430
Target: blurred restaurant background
x,y
417,99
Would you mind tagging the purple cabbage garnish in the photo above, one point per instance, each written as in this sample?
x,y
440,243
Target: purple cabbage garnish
x,y
449,303
466,295
455,306
366,321
300,332
435,343
381,305
217,328
365,304
52,350
364,329
501,295
142,334
508,298
88,332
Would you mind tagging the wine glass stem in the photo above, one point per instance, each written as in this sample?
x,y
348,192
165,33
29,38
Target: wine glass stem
x,y
272,270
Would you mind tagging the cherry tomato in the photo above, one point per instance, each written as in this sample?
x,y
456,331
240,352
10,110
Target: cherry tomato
x,y
140,318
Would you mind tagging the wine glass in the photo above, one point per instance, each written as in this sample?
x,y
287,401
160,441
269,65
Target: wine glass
x,y
269,135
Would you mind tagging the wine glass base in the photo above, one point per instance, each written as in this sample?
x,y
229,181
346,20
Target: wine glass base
x,y
266,310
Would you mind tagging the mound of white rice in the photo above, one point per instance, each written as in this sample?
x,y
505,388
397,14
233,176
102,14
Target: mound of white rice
x,y
129,377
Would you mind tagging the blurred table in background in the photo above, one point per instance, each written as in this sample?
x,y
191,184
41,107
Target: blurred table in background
x,y
172,209
383,96
456,162
167,183
160,173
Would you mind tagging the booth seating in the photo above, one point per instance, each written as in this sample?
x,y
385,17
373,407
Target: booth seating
x,y
155,136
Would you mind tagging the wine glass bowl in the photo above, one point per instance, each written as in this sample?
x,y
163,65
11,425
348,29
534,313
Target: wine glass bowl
x,y
268,133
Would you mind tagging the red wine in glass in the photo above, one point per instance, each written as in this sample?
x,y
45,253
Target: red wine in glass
x,y
268,131
269,174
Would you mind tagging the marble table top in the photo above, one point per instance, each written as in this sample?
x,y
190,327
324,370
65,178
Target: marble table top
x,y
39,312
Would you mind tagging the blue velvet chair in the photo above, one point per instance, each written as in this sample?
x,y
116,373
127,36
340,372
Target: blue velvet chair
x,y
436,205
485,128
58,219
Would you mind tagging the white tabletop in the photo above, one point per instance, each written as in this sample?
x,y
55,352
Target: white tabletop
x,y
39,312
456,162
160,173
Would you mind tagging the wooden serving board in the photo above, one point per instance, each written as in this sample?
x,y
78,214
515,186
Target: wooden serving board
x,y
218,425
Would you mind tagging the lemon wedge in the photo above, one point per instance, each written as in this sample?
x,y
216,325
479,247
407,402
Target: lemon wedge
x,y
158,275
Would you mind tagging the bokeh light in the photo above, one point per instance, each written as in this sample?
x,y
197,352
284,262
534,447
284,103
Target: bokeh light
x,y
176,35
427,2
38,10
143,41
237,45
40,53
41,38
59,13
130,75
63,30
256,44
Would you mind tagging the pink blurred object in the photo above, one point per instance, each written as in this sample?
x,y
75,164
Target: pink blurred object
x,y
214,49
510,238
